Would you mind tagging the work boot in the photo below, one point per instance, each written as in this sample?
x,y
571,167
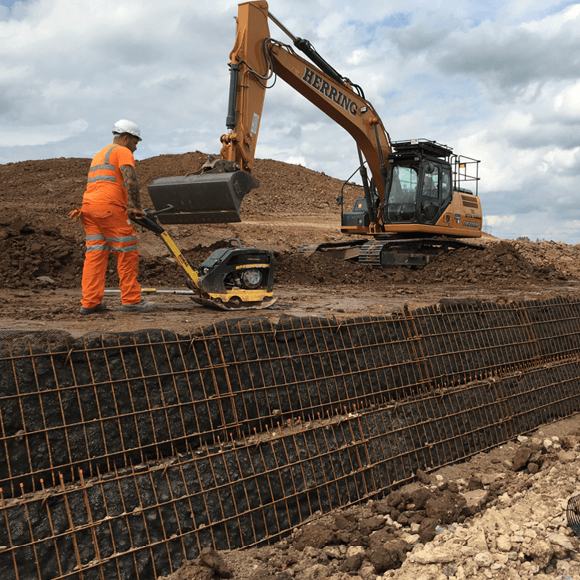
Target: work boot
x,y
140,307
98,308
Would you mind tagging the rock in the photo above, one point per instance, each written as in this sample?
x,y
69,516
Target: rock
x,y
332,552
427,530
521,458
394,499
503,543
368,525
561,540
343,523
310,552
475,501
488,478
423,477
447,508
475,483
355,551
433,555
211,559
314,535
541,551
316,572
477,540
382,507
367,572
533,468
351,563
384,559
46,279
483,559
566,456
569,442
419,497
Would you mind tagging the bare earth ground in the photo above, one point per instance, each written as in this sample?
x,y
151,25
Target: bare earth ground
x,y
516,529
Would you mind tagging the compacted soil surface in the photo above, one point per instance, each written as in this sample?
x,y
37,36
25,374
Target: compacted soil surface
x,y
500,515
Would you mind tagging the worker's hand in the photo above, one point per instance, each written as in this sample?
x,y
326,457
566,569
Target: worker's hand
x,y
74,214
136,213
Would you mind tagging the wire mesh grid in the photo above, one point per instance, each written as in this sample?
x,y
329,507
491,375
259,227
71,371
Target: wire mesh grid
x,y
125,454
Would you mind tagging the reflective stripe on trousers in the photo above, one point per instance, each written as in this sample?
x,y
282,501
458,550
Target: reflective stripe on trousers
x,y
108,229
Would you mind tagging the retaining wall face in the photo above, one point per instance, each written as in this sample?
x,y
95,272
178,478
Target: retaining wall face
x,y
141,522
262,426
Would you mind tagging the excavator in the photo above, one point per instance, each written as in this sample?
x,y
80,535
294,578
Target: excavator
x,y
414,201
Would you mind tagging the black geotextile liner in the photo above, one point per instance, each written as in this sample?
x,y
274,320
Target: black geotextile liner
x,y
112,400
142,522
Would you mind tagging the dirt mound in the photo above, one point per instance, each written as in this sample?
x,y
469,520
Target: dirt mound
x,y
293,205
32,257
499,261
37,257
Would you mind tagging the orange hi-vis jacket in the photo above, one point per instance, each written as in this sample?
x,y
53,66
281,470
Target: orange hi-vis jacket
x,y
105,182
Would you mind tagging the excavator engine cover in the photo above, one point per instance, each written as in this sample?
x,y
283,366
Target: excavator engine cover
x,y
209,198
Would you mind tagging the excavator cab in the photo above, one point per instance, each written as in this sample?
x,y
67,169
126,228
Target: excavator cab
x,y
419,183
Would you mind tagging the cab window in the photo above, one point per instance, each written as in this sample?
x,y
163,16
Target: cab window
x,y
445,183
431,184
404,185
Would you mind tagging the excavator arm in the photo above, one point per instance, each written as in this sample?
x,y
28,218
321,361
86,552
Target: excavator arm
x,y
256,58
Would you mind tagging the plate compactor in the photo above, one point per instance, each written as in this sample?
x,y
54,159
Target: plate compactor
x,y
231,278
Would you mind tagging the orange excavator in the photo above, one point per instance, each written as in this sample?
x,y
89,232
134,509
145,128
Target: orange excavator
x,y
415,201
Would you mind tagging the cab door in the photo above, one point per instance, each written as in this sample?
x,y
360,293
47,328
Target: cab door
x,y
435,193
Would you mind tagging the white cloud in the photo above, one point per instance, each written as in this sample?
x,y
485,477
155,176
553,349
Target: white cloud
x,y
567,102
496,220
554,21
496,81
40,134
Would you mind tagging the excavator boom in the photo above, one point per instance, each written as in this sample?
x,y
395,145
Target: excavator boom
x,y
254,60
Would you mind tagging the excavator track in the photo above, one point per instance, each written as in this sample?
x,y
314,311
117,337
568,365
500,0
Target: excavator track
x,y
343,250
413,253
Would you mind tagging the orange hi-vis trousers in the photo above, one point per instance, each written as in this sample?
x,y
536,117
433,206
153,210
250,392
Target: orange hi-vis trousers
x,y
107,229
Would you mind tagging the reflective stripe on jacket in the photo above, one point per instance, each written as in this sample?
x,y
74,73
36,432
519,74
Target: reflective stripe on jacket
x,y
105,180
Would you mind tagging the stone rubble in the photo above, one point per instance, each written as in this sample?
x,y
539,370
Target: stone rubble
x,y
507,523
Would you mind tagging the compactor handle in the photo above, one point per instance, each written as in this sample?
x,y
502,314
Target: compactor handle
x,y
149,220
237,241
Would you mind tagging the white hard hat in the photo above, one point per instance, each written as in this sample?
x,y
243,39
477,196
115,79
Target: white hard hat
x,y
124,126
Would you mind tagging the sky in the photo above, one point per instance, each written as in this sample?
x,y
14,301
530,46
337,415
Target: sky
x,y
498,81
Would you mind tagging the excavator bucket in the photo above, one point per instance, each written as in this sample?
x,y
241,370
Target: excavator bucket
x,y
209,198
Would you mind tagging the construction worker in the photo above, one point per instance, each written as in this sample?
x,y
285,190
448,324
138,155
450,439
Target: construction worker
x,y
111,187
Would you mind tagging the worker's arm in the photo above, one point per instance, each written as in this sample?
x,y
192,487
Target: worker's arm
x,y
131,184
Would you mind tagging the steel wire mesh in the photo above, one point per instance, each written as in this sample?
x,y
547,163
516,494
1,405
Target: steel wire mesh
x,y
124,454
